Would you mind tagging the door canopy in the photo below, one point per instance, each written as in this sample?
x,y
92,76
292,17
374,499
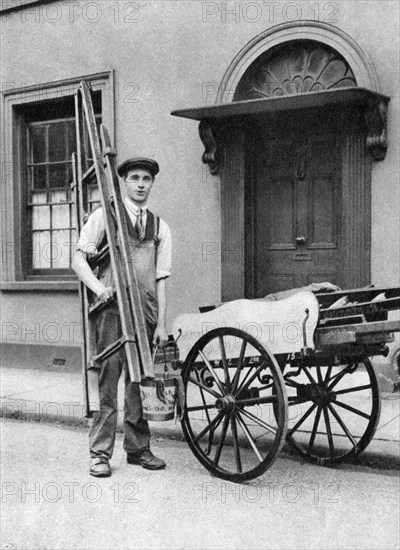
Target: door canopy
x,y
289,67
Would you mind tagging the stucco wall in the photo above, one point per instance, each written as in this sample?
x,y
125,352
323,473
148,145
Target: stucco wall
x,y
169,55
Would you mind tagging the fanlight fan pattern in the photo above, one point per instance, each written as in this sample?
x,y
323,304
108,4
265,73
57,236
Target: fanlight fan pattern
x,y
298,68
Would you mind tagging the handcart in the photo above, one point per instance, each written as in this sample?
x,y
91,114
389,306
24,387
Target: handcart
x,y
258,373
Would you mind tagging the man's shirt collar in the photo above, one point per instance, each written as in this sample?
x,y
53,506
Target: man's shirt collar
x,y
131,206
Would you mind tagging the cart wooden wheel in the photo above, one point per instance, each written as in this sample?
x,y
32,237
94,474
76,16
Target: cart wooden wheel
x,y
333,410
233,385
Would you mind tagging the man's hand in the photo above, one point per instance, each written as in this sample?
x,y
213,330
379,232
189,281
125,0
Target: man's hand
x,y
323,287
106,294
160,338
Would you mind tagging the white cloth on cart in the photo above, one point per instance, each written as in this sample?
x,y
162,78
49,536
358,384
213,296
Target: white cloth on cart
x,y
278,326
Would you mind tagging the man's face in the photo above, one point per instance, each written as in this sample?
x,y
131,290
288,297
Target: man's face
x,y
138,185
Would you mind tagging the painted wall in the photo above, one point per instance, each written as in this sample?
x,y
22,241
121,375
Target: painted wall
x,y
173,54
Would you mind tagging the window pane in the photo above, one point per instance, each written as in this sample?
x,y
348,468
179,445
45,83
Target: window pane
x,y
57,142
39,198
40,217
58,196
58,175
94,194
71,138
38,141
60,216
41,250
74,241
73,216
93,198
39,177
61,250
70,175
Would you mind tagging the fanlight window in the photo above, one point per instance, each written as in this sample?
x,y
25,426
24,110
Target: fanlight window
x,y
296,68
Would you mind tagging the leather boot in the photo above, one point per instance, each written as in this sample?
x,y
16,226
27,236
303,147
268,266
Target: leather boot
x,y
146,459
100,467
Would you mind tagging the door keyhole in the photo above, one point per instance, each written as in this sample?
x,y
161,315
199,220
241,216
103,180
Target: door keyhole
x,y
301,241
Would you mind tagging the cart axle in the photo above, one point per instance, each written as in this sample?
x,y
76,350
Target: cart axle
x,y
316,394
225,403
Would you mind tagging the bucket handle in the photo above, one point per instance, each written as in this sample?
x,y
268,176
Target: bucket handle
x,y
160,391
165,358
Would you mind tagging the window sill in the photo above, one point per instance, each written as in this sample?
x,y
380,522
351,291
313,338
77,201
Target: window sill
x,y
45,286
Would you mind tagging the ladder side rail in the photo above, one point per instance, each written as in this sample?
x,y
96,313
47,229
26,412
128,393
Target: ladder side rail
x,y
91,396
91,370
117,263
128,256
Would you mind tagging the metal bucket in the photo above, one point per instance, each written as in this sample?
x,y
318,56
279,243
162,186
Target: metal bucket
x,y
159,398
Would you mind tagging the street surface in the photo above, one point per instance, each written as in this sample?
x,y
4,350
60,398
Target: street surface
x,y
50,502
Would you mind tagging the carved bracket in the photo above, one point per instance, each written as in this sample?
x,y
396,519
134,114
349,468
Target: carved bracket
x,y
376,119
210,155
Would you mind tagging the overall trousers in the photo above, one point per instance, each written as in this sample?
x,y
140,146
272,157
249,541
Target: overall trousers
x,y
108,330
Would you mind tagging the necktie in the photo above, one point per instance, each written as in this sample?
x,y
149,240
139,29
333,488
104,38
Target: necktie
x,y
140,228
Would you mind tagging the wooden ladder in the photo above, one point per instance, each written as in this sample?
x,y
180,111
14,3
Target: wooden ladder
x,y
102,171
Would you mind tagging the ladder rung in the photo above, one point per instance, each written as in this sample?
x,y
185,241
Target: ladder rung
x,y
112,348
98,306
100,255
89,174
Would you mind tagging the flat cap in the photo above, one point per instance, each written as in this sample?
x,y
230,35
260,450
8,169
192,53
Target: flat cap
x,y
138,162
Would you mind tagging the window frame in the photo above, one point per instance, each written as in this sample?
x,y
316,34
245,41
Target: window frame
x,y
13,194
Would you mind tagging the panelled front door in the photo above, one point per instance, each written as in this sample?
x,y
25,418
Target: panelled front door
x,y
296,205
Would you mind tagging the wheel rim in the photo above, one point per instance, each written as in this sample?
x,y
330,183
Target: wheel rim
x,y
229,419
333,410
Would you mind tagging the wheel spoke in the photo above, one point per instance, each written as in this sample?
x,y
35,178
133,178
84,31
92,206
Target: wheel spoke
x,y
222,439
296,401
356,388
252,377
203,398
302,419
353,410
211,436
339,376
328,375
249,437
204,407
212,371
209,427
225,364
262,423
244,379
236,445
235,380
314,430
309,375
343,426
329,432
203,387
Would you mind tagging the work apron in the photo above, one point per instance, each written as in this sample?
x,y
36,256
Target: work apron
x,y
144,261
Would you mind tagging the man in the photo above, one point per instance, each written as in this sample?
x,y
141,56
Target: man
x,y
151,239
